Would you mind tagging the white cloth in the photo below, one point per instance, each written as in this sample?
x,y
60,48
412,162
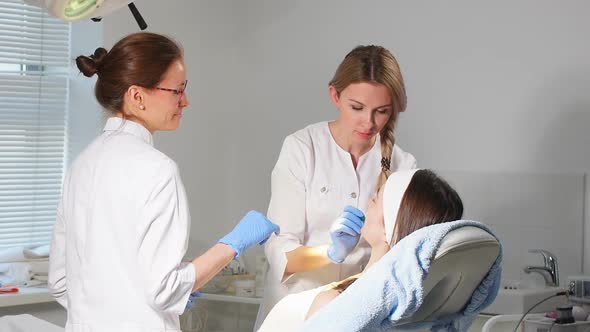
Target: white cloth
x,y
121,231
312,181
12,254
18,273
21,273
289,313
393,193
40,252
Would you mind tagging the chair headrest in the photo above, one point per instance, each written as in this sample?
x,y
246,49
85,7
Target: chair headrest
x,y
462,260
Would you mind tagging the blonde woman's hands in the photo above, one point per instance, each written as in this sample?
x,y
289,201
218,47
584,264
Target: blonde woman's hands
x,y
345,234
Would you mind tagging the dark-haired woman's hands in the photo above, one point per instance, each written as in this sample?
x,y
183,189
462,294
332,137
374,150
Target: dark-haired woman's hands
x,y
252,229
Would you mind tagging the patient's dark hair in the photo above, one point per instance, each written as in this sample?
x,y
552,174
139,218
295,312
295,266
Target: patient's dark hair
x,y
428,200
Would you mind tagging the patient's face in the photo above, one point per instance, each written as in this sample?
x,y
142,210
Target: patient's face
x,y
374,230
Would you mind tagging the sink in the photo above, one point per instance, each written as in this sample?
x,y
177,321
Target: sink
x,y
515,300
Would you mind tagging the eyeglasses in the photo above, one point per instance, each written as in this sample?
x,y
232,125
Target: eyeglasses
x,y
179,92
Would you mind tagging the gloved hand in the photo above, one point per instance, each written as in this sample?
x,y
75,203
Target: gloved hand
x,y
345,233
191,298
253,229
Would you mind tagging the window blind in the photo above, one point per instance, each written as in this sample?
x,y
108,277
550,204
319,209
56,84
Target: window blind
x,y
34,70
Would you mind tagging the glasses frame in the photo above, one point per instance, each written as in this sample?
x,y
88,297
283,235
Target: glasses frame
x,y
179,92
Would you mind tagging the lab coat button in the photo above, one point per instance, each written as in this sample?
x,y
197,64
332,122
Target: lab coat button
x,y
323,190
353,195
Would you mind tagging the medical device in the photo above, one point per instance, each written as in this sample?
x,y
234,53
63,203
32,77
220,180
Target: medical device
x,y
538,323
75,10
579,297
580,289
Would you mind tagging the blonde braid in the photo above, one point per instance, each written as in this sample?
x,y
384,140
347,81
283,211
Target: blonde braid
x,y
387,143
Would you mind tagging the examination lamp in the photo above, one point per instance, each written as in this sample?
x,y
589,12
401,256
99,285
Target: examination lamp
x,y
75,10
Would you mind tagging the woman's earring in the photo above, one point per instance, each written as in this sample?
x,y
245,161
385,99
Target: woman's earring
x,y
141,107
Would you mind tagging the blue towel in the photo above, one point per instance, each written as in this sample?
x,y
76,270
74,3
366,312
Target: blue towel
x,y
392,289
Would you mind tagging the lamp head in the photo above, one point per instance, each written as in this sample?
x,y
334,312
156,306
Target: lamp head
x,y
74,10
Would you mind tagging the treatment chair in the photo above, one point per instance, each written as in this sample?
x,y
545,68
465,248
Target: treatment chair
x,y
462,260
438,278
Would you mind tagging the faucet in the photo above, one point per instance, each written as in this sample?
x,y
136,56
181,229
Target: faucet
x,y
549,270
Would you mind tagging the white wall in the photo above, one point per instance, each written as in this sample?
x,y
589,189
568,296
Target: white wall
x,y
522,208
496,86
85,115
205,146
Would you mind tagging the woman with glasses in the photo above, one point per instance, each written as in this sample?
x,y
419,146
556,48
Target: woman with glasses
x,y
330,166
123,221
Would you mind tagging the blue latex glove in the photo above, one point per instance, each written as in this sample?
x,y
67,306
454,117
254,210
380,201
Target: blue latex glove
x,y
191,298
253,229
345,234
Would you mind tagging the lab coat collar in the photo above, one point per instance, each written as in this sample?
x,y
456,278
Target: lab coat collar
x,y
128,126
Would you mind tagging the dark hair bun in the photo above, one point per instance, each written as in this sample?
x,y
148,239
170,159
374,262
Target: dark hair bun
x,y
90,65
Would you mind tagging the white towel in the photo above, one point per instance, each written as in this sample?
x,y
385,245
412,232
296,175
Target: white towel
x,y
21,273
12,254
37,253
392,289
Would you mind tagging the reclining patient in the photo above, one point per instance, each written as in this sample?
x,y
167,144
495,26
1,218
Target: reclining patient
x,y
408,201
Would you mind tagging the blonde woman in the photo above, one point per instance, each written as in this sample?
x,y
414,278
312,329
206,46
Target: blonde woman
x,y
327,172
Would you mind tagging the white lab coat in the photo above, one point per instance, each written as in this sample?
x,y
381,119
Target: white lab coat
x,y
312,181
121,232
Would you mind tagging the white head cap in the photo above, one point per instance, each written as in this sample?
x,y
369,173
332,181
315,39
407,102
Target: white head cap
x,y
393,192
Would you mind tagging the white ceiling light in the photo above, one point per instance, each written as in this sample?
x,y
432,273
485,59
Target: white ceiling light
x,y
74,10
